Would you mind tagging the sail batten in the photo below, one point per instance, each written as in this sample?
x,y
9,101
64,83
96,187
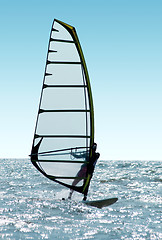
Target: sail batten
x,y
60,161
62,62
55,30
64,110
64,86
64,132
70,178
61,40
55,177
61,136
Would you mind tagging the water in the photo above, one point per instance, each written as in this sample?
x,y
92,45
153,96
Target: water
x,y
31,205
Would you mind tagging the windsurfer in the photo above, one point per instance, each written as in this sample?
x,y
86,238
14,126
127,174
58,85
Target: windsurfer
x,y
83,170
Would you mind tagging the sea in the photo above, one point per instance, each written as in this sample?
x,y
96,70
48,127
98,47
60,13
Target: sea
x,y
31,206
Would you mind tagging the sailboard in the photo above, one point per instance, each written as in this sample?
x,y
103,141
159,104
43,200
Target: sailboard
x,y
101,203
65,120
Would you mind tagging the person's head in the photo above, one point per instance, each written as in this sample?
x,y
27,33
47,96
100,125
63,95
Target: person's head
x,y
97,155
94,147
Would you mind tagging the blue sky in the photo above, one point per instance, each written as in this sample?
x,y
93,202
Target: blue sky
x,y
122,44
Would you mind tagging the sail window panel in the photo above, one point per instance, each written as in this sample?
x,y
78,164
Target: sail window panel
x,y
67,156
36,141
66,52
58,156
53,144
63,98
64,75
62,170
63,123
61,33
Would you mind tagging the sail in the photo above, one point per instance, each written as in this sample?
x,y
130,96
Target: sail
x,y
64,132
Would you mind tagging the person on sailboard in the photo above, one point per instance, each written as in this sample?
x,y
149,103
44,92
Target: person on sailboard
x,y
83,170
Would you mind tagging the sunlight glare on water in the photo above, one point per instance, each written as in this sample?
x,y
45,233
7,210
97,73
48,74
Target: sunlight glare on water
x,y
31,205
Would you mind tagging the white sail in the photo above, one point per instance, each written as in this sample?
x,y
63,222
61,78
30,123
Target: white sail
x,y
65,121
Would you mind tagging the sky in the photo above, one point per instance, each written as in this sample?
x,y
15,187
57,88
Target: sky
x,y
122,45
